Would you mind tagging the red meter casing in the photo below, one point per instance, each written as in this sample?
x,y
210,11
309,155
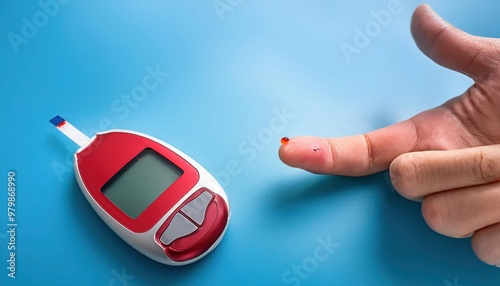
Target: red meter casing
x,y
184,223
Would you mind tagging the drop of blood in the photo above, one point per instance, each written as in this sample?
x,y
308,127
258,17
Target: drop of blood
x,y
284,140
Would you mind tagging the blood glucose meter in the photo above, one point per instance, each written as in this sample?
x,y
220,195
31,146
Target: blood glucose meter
x,y
156,198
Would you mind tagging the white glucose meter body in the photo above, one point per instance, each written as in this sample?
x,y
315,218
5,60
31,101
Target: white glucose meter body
x,y
155,197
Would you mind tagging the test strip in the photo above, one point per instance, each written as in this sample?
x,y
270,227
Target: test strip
x,y
70,131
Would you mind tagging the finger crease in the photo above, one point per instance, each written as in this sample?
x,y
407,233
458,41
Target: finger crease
x,y
415,134
494,67
436,37
369,150
334,161
473,59
488,168
474,95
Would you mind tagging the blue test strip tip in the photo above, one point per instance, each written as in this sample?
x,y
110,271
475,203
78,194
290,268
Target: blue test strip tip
x,y
57,120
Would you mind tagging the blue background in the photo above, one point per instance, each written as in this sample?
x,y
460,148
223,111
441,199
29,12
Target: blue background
x,y
230,73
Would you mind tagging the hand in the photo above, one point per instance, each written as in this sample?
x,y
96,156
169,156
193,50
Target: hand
x,y
445,157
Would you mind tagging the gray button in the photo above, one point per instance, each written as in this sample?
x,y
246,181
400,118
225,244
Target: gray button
x,y
196,208
179,227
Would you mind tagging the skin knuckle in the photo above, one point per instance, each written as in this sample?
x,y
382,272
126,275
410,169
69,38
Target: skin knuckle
x,y
489,167
444,217
402,172
434,214
485,250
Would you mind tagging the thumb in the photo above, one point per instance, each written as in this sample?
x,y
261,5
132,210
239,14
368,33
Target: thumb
x,y
452,47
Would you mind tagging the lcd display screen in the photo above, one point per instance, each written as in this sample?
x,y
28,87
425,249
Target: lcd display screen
x,y
141,182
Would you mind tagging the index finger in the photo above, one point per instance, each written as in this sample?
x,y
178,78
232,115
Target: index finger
x,y
357,155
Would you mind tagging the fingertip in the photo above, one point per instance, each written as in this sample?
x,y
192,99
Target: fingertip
x,y
309,153
425,24
283,152
424,12
402,173
422,8
485,244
